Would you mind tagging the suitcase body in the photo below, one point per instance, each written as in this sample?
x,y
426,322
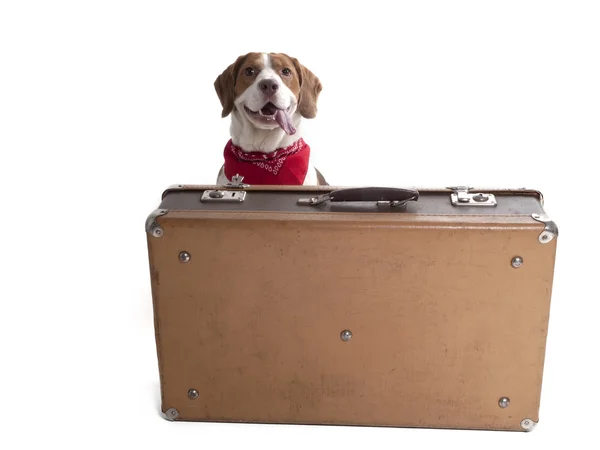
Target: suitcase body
x,y
362,307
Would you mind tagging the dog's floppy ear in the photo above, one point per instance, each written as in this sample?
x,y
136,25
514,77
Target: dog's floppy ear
x,y
225,85
310,88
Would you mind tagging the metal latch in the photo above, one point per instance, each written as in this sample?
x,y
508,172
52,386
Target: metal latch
x,y
225,195
237,182
221,196
461,196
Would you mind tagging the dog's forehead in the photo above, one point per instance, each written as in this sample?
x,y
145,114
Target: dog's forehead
x,y
254,60
266,65
260,61
281,60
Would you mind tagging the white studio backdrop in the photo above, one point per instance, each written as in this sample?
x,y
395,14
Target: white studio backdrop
x,y
105,104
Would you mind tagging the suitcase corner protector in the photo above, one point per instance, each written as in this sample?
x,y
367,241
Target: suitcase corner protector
x,y
171,414
152,226
528,425
550,228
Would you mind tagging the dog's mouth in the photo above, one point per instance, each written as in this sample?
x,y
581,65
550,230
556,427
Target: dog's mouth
x,y
271,113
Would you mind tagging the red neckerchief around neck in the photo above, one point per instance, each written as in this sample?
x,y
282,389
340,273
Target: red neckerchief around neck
x,y
284,166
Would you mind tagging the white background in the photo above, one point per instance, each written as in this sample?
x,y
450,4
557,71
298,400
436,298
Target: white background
x,y
104,104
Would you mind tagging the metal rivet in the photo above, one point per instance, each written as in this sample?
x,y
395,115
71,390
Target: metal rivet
x,y
346,335
157,232
184,257
517,262
544,237
171,414
216,194
193,394
504,402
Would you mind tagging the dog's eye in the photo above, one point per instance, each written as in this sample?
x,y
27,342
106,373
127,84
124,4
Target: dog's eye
x,y
286,72
249,71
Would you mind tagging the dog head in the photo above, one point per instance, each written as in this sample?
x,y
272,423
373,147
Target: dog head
x,y
268,89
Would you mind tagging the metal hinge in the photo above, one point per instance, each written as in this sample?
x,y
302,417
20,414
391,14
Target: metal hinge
x,y
237,182
461,196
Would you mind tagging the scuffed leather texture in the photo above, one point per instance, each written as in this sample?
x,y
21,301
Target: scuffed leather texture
x,y
443,326
281,199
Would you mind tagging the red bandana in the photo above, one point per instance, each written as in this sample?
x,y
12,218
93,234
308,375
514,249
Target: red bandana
x,y
284,166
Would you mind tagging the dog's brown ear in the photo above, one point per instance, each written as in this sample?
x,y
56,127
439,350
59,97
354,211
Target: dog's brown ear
x,y
225,85
310,88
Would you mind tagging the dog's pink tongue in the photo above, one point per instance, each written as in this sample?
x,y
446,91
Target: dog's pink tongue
x,y
285,121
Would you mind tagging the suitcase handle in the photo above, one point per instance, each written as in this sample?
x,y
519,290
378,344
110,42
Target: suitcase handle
x,y
392,196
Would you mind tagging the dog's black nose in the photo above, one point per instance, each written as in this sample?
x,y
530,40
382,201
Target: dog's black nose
x,y
268,86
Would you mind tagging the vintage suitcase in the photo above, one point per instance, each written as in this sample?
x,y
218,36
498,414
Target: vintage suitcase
x,y
380,307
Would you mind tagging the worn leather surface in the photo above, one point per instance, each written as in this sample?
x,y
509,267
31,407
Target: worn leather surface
x,y
443,326
429,202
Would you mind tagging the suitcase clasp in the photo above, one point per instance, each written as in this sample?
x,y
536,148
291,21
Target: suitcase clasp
x,y
223,196
461,196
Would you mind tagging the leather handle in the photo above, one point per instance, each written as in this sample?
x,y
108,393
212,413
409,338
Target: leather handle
x,y
393,196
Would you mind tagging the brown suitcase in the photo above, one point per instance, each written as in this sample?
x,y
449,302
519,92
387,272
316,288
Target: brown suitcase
x,y
380,307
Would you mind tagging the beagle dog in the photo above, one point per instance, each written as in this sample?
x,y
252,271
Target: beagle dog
x,y
267,95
